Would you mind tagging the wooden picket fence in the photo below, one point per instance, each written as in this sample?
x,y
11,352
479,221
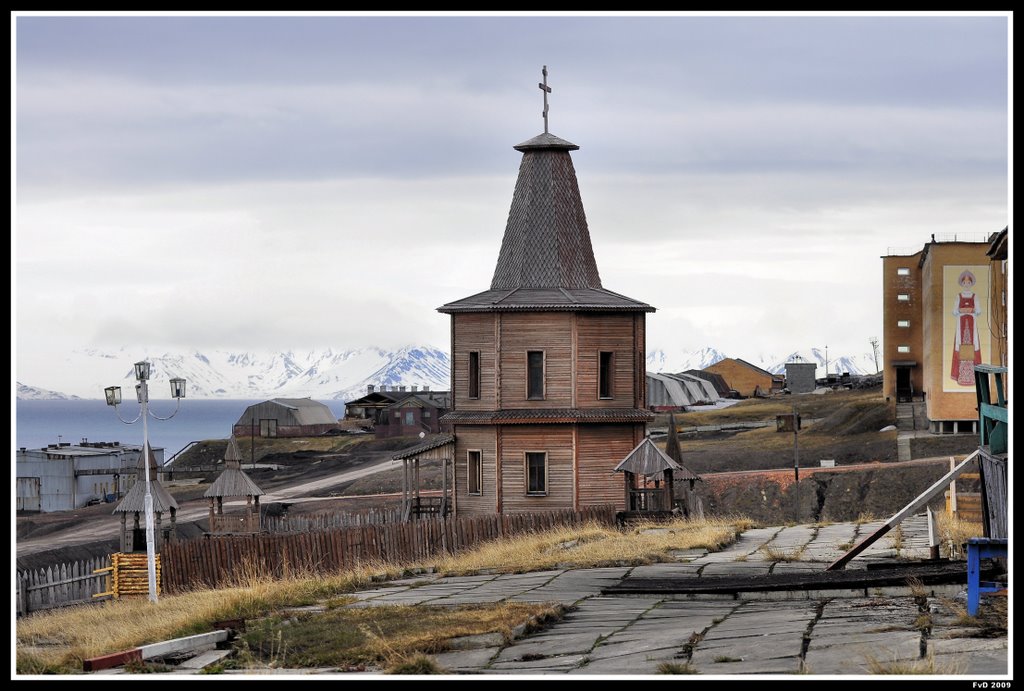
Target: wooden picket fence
x,y
61,585
304,523
214,561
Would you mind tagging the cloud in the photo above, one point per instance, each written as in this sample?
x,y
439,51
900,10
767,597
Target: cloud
x,y
301,182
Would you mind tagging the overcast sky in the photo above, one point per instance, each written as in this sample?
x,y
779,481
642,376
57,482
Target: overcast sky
x,y
296,182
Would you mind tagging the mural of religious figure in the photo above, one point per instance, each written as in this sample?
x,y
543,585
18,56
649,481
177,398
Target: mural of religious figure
x,y
966,343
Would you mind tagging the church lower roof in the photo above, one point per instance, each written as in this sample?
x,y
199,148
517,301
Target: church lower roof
x,y
546,300
546,416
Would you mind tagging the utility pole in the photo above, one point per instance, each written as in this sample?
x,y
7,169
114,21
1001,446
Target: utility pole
x,y
826,365
874,347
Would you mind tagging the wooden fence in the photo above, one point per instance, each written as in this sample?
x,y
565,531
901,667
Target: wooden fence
x,y
61,585
214,561
304,523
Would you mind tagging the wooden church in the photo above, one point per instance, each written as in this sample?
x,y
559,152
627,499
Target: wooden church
x,y
548,366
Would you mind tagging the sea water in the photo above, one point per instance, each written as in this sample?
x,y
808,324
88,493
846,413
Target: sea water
x,y
39,423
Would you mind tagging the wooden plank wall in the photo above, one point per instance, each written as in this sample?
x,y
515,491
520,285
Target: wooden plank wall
x,y
473,332
600,449
220,561
557,441
605,332
547,331
476,438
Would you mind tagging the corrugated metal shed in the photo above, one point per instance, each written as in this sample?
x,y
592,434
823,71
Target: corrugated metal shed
x,y
678,390
62,477
289,411
716,380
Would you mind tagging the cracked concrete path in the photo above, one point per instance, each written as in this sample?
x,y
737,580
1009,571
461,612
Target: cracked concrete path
x,y
825,632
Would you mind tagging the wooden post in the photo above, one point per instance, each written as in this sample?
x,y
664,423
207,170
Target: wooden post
x,y
933,543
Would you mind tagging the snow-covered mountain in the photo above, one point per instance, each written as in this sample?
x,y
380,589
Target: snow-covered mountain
x,y
854,364
325,374
681,360
32,393
322,374
678,361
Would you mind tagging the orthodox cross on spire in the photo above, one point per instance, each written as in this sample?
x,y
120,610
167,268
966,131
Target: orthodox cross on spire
x,y
547,90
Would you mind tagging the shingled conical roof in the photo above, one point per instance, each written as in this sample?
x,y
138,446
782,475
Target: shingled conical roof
x,y
135,500
233,482
546,260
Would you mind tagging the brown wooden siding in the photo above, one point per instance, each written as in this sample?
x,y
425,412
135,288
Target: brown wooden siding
x,y
475,439
473,332
557,442
640,338
600,449
605,332
547,331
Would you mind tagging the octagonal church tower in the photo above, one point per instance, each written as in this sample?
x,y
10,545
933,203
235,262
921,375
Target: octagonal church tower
x,y
548,366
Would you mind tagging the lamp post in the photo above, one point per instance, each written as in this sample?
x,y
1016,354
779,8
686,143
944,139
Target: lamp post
x,y
113,396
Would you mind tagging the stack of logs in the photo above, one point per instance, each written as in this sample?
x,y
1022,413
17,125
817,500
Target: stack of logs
x,y
131,574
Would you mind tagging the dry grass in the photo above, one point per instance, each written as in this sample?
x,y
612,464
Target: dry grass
x,y
953,532
418,664
59,640
394,637
593,545
925,665
896,539
775,553
676,668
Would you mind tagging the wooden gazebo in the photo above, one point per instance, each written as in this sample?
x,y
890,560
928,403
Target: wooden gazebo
x,y
133,535
415,503
233,482
650,477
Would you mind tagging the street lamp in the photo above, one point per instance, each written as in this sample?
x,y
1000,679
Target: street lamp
x,y
113,396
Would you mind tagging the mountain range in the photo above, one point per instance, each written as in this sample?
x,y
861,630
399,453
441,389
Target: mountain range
x,y
326,374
